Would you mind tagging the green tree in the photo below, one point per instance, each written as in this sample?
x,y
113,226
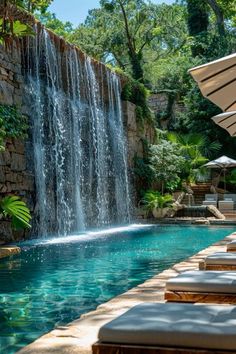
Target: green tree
x,y
30,5
198,17
210,23
196,117
195,149
224,10
63,29
129,33
166,162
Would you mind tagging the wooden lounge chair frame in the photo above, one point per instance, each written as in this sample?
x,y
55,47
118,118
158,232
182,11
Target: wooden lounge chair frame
x,y
185,296
106,348
231,250
205,266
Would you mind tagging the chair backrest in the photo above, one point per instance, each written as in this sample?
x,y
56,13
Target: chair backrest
x,y
211,197
230,197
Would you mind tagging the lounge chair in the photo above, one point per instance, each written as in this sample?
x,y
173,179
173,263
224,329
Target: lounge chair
x,y
226,205
157,328
231,246
219,261
202,286
230,196
210,199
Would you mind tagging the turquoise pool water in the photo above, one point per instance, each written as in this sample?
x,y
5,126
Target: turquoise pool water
x,y
54,281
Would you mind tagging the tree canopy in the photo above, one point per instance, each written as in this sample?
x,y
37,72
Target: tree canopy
x,y
127,33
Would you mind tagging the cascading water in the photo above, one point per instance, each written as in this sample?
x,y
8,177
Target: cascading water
x,y
79,146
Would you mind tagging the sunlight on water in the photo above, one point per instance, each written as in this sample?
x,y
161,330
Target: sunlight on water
x,y
89,235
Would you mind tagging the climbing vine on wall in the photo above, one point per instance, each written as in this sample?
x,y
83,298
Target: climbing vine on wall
x,y
12,123
137,93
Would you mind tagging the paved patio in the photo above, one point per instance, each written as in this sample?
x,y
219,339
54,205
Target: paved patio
x,y
78,336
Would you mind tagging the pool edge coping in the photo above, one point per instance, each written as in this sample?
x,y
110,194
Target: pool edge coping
x,y
9,250
78,336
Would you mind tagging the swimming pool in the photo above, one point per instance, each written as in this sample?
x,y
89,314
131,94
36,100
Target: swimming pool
x,y
54,281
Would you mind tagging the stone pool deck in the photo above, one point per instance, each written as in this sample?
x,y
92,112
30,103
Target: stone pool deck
x,y
6,251
78,336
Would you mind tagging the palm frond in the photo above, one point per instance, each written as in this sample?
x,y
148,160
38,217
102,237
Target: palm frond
x,y
15,208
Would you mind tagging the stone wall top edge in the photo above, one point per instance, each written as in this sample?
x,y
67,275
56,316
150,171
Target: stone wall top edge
x,y
25,16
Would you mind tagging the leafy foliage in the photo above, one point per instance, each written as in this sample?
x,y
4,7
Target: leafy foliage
x,y
64,29
176,158
166,162
126,33
31,5
12,122
198,17
194,148
138,94
10,27
144,173
17,210
194,144
230,179
155,200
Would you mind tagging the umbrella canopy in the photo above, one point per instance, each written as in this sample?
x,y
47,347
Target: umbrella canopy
x,y
227,121
222,162
217,81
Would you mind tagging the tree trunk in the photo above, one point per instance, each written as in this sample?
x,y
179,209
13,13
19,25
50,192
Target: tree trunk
x,y
137,68
197,23
135,58
219,16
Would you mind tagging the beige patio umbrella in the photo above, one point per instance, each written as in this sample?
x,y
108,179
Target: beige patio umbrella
x,y
223,163
226,121
217,81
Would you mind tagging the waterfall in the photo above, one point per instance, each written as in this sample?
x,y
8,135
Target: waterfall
x,y
79,143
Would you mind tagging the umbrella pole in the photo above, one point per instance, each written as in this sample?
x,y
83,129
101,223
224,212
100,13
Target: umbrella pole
x,y
224,181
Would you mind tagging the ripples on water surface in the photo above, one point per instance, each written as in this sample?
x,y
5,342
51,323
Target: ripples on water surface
x,y
54,281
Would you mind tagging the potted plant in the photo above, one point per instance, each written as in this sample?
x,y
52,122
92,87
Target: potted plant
x,y
157,203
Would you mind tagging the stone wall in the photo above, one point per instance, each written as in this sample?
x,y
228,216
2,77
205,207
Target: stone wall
x,y
136,134
10,77
158,102
15,175
136,137
15,179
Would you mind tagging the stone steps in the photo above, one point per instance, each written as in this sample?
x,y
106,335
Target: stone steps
x,y
199,192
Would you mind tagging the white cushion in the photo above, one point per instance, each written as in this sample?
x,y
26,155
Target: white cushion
x,y
204,281
229,202
209,202
174,325
222,258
